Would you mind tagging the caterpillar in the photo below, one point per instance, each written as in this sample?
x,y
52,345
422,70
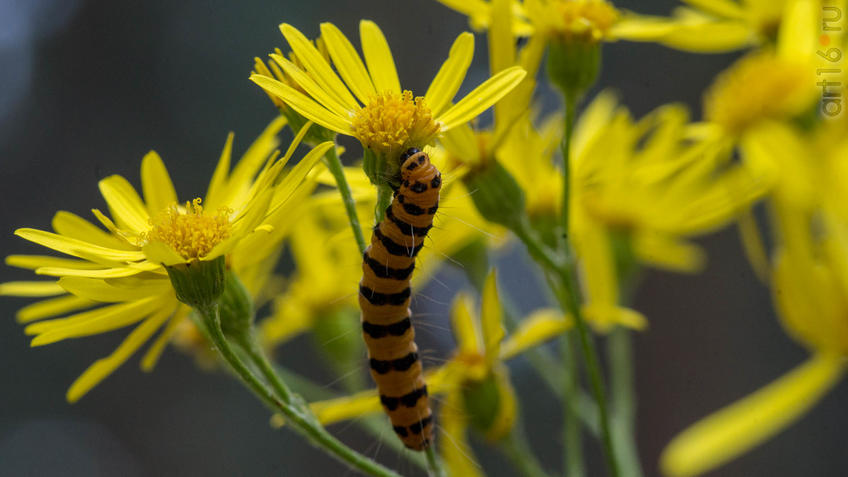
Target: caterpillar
x,y
384,299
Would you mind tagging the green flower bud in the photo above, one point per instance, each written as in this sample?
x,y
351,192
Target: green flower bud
x,y
198,283
497,195
235,307
490,404
573,65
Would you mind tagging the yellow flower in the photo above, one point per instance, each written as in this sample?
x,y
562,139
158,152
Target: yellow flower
x,y
586,20
368,103
481,353
784,77
809,283
710,26
648,183
117,277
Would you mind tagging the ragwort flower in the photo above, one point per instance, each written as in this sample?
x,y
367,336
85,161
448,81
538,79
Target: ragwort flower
x,y
368,103
809,280
117,277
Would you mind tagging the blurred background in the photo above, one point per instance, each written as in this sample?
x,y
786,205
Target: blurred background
x,y
88,87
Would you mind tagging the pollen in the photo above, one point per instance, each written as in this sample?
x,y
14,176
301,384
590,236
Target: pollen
x,y
393,122
188,231
586,19
761,86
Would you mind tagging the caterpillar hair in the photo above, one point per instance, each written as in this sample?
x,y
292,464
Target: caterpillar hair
x,y
384,299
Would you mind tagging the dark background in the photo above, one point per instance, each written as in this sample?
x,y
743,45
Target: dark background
x,y
87,87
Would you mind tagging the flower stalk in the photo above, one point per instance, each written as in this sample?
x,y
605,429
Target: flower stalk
x,y
291,406
334,165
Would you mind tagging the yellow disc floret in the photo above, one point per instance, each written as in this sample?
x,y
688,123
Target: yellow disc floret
x,y
190,232
757,87
392,122
585,19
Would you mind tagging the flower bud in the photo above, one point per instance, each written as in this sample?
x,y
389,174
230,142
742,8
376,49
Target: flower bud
x,y
573,65
490,404
497,195
198,283
235,307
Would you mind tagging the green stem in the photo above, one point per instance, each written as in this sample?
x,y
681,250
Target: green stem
x,y
518,452
565,148
298,414
567,276
434,463
573,463
620,357
384,198
376,425
334,164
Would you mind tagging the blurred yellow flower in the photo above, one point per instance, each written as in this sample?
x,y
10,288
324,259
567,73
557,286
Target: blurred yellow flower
x,y
117,277
647,182
368,103
809,283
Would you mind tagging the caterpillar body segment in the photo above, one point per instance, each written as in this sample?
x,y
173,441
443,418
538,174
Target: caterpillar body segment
x,y
384,295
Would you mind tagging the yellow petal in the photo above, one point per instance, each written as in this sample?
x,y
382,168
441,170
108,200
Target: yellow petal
x,y
113,272
462,143
710,37
668,252
92,322
254,158
72,225
720,8
312,87
304,105
162,254
126,206
32,262
454,448
482,97
51,307
75,247
540,326
359,404
378,56
464,325
31,289
295,177
745,424
451,74
348,62
151,357
156,184
219,179
491,317
114,290
317,66
105,366
798,33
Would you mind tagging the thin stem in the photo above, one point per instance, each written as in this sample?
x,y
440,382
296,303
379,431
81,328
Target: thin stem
x,y
620,357
565,148
296,413
254,351
569,283
518,452
573,463
384,198
334,164
434,463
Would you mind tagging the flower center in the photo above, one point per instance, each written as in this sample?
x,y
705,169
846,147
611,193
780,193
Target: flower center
x,y
756,87
392,122
586,19
189,232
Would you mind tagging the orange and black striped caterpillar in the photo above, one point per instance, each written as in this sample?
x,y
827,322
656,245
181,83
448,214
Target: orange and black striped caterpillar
x,y
384,299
